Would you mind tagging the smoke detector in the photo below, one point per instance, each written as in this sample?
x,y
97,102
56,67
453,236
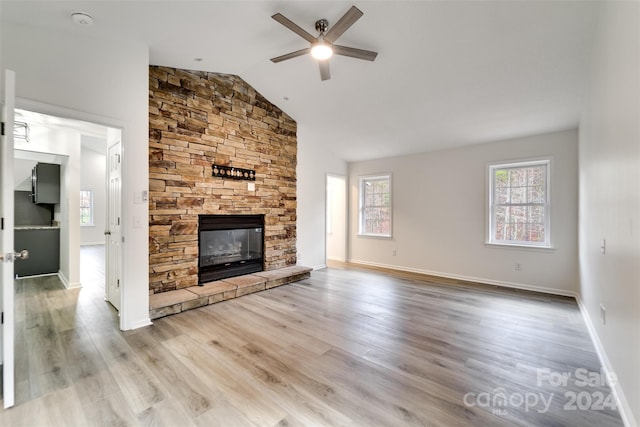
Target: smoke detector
x,y
82,19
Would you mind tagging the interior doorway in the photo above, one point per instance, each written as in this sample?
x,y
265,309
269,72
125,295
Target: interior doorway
x,y
81,213
336,218
78,149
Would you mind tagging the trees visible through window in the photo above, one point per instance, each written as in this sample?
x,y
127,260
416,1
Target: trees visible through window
x,y
86,207
375,206
519,200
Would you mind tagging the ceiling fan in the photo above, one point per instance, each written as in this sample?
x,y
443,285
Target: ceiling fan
x,y
323,47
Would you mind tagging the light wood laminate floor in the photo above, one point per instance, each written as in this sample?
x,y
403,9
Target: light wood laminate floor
x,y
348,346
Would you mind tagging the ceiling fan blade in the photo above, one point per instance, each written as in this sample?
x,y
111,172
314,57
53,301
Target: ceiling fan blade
x,y
354,53
291,55
347,20
294,27
324,70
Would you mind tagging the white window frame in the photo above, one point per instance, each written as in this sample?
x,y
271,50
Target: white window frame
x,y
491,229
362,181
91,208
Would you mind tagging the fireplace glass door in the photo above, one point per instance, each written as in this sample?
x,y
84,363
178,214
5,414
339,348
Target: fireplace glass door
x,y
229,245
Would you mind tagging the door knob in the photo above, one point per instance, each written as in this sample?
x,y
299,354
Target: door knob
x,y
9,256
23,254
107,233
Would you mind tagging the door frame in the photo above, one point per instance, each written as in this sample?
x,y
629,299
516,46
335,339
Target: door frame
x,y
67,113
7,281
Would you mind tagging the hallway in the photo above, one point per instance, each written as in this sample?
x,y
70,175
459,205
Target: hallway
x,y
50,318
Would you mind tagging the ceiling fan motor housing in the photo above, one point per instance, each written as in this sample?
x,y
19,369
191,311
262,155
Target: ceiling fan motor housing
x,y
322,25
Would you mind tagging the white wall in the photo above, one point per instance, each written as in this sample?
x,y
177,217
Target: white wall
x,y
22,173
93,177
610,197
70,214
105,82
439,215
314,162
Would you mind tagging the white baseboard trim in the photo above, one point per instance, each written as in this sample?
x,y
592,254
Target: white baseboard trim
x,y
66,283
63,279
621,400
481,280
61,276
36,275
316,267
139,324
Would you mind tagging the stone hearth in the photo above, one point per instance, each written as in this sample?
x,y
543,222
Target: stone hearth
x,y
172,302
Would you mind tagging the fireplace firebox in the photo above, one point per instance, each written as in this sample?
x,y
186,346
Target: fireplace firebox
x,y
229,245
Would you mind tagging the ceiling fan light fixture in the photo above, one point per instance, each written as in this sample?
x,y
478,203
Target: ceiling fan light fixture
x,y
322,47
321,50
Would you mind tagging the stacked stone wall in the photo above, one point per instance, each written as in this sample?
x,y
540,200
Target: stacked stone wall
x,y
197,119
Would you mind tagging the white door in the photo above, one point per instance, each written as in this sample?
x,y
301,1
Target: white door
x,y
6,249
336,218
113,232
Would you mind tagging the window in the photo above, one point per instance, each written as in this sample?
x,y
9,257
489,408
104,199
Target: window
x,y
519,204
86,207
375,206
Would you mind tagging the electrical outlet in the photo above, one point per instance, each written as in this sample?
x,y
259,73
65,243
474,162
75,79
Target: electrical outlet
x,y
517,266
395,252
603,247
603,314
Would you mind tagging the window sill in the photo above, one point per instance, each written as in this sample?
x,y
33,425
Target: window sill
x,y
376,236
519,247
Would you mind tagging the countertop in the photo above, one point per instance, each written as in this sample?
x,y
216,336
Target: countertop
x,y
36,227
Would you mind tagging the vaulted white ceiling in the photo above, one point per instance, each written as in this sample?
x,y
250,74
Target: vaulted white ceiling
x,y
448,73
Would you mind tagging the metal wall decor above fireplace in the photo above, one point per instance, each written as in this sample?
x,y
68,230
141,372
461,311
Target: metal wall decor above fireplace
x,y
229,245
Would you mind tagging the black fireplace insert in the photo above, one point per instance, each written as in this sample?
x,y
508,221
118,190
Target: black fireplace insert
x,y
229,245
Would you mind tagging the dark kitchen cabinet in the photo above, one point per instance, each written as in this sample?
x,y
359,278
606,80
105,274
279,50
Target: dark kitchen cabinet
x,y
43,244
45,183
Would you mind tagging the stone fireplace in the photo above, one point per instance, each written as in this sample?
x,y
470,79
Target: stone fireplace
x,y
229,246
197,120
